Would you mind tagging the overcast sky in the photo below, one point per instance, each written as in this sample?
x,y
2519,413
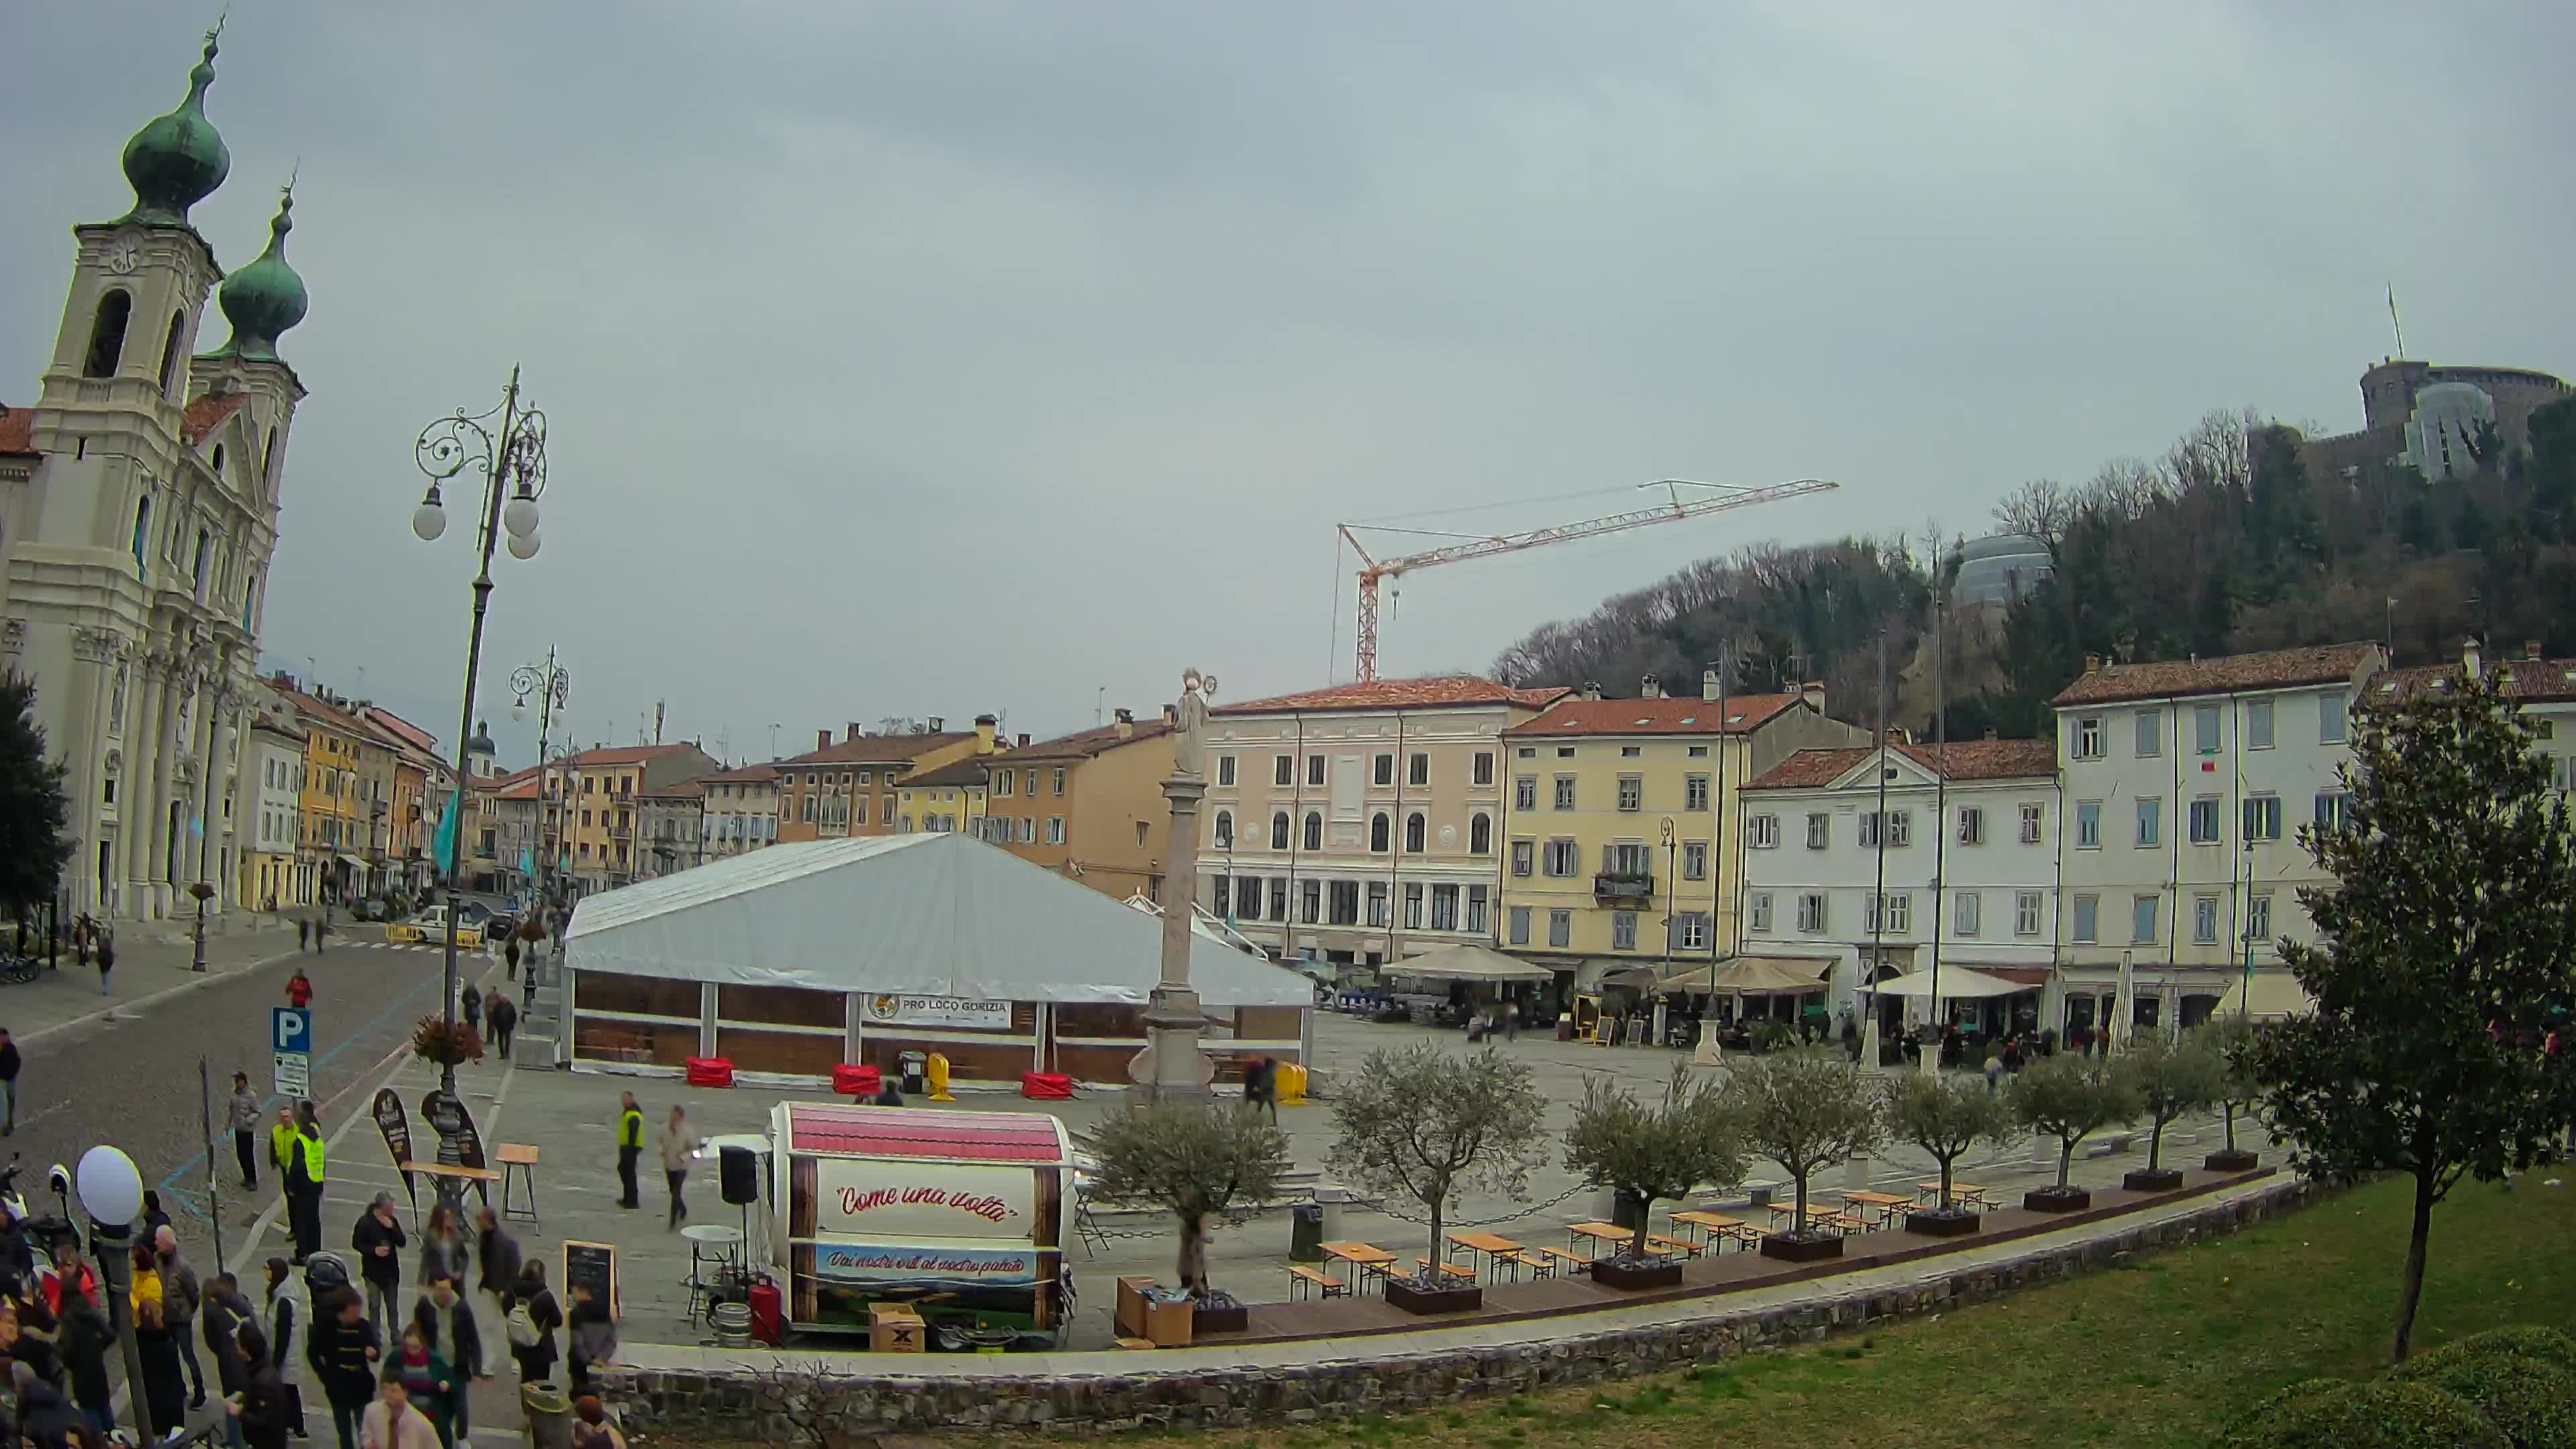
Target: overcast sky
x,y
937,358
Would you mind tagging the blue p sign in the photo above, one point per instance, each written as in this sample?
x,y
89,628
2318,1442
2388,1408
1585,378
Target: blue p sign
x,y
290,1029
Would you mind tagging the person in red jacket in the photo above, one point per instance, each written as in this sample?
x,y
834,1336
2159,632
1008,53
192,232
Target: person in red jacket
x,y
299,990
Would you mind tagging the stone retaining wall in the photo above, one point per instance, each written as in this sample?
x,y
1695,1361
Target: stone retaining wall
x,y
784,1408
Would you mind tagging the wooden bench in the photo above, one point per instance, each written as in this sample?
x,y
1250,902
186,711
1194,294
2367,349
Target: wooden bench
x,y
1673,1247
1540,1261
1302,1279
1447,1270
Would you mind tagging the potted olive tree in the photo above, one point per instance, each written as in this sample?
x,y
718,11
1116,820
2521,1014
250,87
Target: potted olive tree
x,y
1426,1125
1196,1161
1946,1117
2168,1079
2232,1038
1650,1153
2070,1099
1807,1110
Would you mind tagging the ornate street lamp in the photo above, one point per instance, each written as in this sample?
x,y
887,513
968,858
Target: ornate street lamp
x,y
513,465
552,687
111,1193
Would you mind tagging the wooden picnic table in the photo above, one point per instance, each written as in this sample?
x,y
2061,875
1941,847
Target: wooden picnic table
x,y
1598,1233
1365,1259
1885,1204
1490,1244
1967,1192
1710,1225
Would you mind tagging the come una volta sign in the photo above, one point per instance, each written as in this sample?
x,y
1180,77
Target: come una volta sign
x,y
939,1011
884,1200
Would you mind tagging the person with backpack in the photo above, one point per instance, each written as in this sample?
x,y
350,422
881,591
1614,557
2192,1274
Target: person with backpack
x,y
498,1263
534,1317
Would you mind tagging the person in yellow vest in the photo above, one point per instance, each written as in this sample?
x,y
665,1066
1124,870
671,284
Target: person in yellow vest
x,y
630,1149
281,1141
304,1174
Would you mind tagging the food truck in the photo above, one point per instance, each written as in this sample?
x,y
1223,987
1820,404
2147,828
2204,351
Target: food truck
x,y
956,1215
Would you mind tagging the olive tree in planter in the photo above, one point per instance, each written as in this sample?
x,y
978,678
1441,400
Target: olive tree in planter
x,y
2070,1099
1652,1152
1194,1160
1427,1125
2232,1039
1806,1110
2168,1079
1947,1116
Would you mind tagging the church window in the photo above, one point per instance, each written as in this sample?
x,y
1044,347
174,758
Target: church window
x,y
142,528
170,348
107,334
219,461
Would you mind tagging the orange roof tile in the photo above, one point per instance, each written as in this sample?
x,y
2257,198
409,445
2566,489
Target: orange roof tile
x,y
2535,681
1693,716
2167,679
680,789
1428,693
1084,744
620,755
876,749
17,430
206,414
751,774
1967,759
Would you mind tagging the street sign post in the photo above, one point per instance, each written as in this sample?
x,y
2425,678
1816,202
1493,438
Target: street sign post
x,y
290,1039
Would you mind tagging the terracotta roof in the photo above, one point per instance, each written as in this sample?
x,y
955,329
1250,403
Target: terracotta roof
x,y
206,414
17,430
2276,669
277,727
678,790
1430,693
1968,760
1084,744
2533,680
968,772
876,749
520,789
320,709
748,774
620,755
1693,716
411,733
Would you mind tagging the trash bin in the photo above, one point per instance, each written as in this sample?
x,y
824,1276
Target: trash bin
x,y
1627,1210
913,1064
1306,1233
549,1412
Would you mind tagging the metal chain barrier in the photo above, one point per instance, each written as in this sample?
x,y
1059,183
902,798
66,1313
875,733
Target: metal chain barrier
x,y
1449,1225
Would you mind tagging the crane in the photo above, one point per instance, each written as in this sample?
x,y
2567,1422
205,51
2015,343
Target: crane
x,y
1473,545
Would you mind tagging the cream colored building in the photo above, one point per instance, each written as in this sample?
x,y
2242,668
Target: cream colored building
x,y
741,810
1362,823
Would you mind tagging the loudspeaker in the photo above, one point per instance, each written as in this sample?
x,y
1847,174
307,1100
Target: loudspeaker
x,y
738,1170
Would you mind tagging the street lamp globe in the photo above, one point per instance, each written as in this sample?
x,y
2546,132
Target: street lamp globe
x,y
519,708
519,516
523,545
429,520
110,1190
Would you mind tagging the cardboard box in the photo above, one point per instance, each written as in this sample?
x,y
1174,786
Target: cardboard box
x,y
893,1328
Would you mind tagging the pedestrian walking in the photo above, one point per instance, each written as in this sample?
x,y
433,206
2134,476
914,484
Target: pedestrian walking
x,y
446,1324
630,1149
303,934
165,1389
1994,1068
497,1256
299,990
469,1005
503,1013
510,953
343,1356
82,935
106,963
181,1298
266,1411
679,1154
379,1240
442,1247
1261,1087
9,1082
225,1314
281,1312
242,1112
534,1317
393,1421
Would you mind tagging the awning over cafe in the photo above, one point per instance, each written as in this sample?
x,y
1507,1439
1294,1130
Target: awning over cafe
x,y
1468,962
1752,976
1958,983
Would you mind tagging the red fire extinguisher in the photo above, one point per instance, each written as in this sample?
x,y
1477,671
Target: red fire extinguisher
x,y
768,1319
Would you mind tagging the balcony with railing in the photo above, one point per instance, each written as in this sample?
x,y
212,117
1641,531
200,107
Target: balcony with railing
x,y
1623,887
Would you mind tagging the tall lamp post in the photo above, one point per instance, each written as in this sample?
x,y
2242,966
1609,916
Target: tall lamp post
x,y
111,1193
513,465
552,686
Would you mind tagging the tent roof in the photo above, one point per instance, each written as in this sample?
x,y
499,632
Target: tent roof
x,y
1753,976
1958,983
1467,961
933,915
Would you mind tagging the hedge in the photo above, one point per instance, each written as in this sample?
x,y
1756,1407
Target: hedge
x,y
2380,1414
2531,1400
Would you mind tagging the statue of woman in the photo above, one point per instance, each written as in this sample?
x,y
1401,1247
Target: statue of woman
x,y
1190,740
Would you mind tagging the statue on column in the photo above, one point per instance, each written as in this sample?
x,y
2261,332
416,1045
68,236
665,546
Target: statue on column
x,y
1189,743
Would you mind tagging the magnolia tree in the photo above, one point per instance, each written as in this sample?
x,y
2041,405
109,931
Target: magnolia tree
x,y
2070,1099
1429,1124
2168,1079
1946,1117
1654,1151
2232,1040
1195,1160
2448,934
1807,1111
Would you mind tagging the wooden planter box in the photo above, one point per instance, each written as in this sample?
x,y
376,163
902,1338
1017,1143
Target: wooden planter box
x,y
1637,1272
1813,1248
1935,1223
2231,1159
2162,1179
1414,1297
2056,1200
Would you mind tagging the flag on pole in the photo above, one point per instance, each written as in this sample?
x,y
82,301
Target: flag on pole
x,y
442,846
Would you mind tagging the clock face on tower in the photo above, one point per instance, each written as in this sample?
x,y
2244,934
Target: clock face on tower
x,y
123,256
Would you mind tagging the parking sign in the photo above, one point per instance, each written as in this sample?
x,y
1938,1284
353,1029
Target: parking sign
x,y
290,1039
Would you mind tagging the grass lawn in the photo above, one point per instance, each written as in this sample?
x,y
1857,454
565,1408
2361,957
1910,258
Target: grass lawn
x,y
2156,1353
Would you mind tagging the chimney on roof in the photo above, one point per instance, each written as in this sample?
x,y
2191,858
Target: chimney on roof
x,y
1125,722
1813,692
1021,740
2469,656
823,739
1592,689
985,725
1708,685
938,724
1651,687
851,731
2092,663
1990,733
2531,649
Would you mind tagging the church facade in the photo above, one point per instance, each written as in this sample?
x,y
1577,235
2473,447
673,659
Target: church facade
x,y
138,517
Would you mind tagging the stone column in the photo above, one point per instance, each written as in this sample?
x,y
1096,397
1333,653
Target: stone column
x,y
1173,1067
138,798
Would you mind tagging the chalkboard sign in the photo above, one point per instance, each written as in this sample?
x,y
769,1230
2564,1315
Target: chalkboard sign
x,y
592,1266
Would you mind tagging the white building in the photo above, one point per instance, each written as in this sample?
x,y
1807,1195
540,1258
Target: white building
x,y
1960,869
2545,688
275,874
138,512
741,810
2185,784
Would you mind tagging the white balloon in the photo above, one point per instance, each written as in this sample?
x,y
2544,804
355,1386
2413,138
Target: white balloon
x,y
110,1189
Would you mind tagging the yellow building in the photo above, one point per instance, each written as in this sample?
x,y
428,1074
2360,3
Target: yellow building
x,y
334,835
589,818
944,798
850,787
1614,821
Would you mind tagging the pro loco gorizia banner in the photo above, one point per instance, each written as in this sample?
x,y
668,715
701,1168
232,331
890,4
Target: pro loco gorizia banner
x,y
953,1012
864,1263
